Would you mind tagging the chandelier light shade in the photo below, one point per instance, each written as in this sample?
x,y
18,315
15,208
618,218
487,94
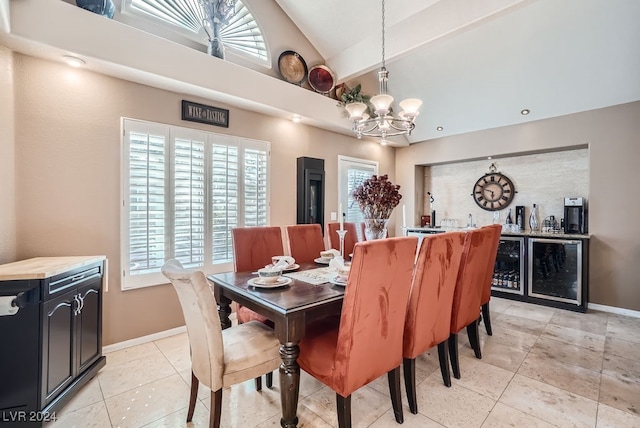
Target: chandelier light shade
x,y
384,124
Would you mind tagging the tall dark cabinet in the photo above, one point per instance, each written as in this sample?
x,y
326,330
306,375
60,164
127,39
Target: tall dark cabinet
x,y
310,191
56,334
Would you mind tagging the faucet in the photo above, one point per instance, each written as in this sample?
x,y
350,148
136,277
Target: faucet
x,y
470,225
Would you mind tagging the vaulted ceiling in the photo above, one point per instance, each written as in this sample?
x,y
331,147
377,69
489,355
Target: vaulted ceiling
x,y
475,64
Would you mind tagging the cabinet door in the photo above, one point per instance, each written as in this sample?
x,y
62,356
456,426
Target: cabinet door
x,y
89,320
58,356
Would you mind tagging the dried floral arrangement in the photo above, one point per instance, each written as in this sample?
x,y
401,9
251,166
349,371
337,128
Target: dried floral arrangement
x,y
377,197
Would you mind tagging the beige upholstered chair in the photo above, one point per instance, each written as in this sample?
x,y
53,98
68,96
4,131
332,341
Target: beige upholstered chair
x,y
219,358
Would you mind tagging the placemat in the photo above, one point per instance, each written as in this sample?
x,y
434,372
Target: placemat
x,y
313,276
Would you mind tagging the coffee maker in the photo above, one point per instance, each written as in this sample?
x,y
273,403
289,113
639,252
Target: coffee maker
x,y
574,215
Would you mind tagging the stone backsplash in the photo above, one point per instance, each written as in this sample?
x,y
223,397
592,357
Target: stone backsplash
x,y
544,179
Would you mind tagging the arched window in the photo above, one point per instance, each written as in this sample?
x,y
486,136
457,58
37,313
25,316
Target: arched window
x,y
242,34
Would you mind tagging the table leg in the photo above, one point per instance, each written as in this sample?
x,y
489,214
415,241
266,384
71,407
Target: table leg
x,y
289,384
224,310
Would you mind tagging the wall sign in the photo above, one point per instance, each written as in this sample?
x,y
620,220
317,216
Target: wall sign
x,y
195,112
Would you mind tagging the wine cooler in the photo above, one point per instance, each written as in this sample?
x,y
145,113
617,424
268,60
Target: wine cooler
x,y
509,269
556,270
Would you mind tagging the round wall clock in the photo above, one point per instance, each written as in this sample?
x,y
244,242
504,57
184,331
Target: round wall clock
x,y
493,191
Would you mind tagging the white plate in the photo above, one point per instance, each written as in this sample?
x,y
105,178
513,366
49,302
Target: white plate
x,y
259,283
322,261
337,281
291,268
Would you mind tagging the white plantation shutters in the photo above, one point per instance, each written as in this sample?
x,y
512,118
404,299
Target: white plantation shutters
x,y
184,190
189,200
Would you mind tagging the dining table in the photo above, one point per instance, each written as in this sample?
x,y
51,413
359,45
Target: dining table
x,y
291,307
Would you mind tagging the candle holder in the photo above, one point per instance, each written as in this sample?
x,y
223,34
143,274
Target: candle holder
x,y
341,234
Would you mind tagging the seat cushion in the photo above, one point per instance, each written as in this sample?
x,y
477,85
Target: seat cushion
x,y
250,350
320,341
245,315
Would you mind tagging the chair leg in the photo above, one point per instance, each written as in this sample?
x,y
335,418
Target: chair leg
x,y
269,377
344,410
453,355
216,408
474,338
193,396
487,318
259,383
443,356
396,395
409,369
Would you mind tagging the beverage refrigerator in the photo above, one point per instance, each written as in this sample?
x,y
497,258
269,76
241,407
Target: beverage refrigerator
x,y
509,269
556,270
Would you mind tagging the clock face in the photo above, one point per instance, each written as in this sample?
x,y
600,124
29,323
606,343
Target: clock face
x,y
493,191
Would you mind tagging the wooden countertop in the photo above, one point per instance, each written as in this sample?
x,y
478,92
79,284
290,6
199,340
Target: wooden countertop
x,y
44,267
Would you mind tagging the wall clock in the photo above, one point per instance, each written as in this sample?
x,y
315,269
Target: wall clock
x,y
493,191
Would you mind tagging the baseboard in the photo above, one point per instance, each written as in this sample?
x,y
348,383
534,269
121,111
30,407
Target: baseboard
x,y
614,310
151,337
143,339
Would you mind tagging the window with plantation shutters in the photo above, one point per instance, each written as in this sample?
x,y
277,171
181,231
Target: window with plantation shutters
x,y
183,192
351,173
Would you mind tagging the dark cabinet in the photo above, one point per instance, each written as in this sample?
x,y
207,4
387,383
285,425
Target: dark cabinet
x,y
57,337
310,191
71,334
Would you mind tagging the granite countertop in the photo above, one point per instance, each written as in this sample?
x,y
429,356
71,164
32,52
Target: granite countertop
x,y
527,233
44,267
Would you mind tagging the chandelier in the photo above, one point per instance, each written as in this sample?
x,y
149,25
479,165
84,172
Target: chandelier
x,y
384,124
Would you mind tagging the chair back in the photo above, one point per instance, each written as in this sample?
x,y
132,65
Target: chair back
x,y
493,253
253,247
200,312
428,320
471,276
350,238
305,242
373,312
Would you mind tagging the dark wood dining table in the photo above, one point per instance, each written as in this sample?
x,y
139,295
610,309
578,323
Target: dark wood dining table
x,y
291,308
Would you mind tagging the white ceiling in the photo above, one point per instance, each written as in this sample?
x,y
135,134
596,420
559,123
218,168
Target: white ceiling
x,y
475,64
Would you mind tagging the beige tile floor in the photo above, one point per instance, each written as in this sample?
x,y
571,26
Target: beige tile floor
x,y
541,368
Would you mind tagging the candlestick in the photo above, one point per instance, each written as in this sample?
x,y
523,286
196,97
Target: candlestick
x,y
341,234
404,216
341,216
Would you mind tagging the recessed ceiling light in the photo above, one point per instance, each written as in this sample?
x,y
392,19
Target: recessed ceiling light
x,y
74,61
296,118
525,111
439,128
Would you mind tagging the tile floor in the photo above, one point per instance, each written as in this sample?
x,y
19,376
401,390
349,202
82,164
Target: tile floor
x,y
541,368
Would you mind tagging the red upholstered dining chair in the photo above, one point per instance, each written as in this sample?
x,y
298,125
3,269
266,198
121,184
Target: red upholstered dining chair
x,y
366,341
488,276
253,248
350,238
304,242
469,287
428,320
219,358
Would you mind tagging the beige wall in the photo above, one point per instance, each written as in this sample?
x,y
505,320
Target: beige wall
x,y
614,177
7,160
543,179
68,173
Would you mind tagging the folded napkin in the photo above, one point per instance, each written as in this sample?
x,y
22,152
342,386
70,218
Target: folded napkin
x,y
333,251
337,262
283,263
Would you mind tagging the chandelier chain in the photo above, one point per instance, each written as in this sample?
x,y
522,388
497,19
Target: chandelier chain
x,y
383,60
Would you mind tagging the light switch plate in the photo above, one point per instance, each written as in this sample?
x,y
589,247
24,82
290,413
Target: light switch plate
x,y
334,216
496,216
